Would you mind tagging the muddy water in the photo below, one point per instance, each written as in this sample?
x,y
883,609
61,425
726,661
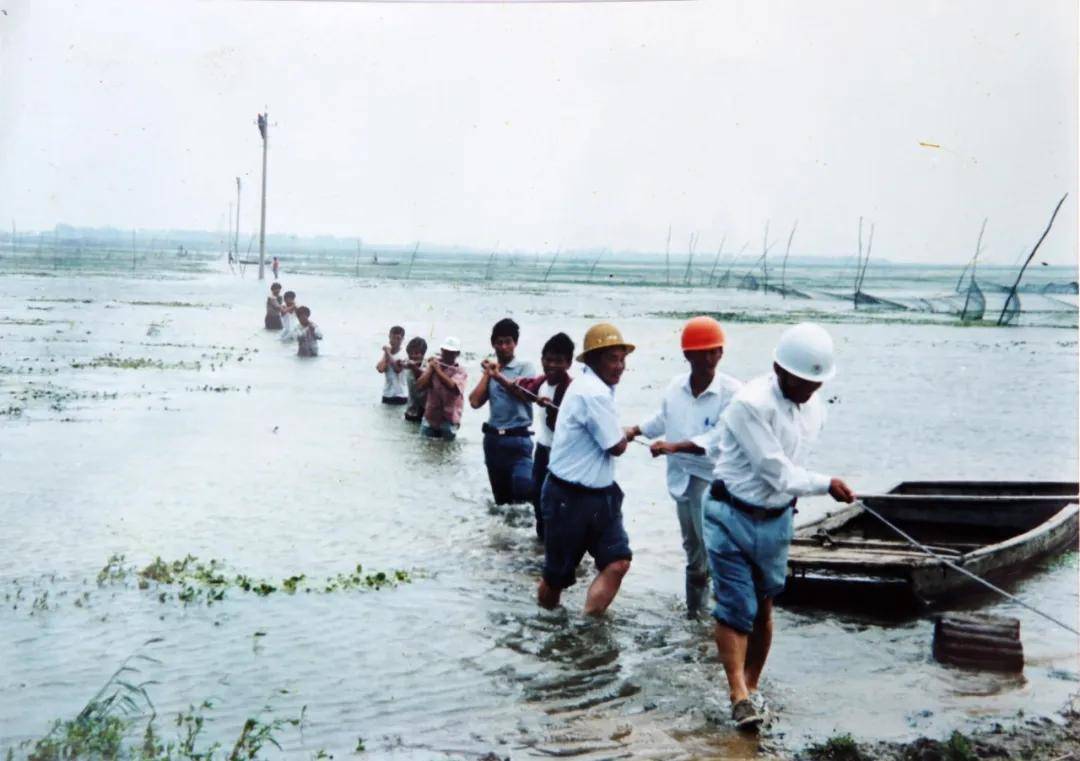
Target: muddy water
x,y
296,468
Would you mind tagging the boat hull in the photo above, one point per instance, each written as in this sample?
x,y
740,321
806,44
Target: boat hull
x,y
1014,531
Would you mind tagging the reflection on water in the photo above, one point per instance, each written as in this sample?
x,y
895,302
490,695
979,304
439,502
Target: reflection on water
x,y
308,473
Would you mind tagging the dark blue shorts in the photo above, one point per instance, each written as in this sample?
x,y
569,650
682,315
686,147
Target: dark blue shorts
x,y
576,521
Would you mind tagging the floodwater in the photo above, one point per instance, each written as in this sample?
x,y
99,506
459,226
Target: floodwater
x,y
294,467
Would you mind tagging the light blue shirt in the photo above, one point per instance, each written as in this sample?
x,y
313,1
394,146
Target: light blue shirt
x,y
587,427
506,411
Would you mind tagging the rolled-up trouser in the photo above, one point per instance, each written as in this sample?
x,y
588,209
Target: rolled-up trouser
x,y
690,507
509,465
747,560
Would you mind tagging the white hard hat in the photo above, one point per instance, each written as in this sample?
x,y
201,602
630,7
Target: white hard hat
x,y
451,344
806,351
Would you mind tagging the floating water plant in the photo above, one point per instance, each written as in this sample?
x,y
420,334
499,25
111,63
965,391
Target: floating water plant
x,y
200,581
134,363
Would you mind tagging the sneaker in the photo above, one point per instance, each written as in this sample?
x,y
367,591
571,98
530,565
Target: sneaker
x,y
746,716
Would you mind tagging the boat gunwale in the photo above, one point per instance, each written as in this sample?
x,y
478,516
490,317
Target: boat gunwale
x,y
883,560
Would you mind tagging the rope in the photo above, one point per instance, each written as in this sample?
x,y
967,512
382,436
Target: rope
x,y
965,571
555,407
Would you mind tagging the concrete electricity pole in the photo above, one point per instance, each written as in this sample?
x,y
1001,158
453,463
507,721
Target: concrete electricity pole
x,y
264,127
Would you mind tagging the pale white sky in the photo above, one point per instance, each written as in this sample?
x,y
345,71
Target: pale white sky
x,y
543,125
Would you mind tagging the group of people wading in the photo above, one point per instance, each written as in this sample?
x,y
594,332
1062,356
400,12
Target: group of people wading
x,y
294,322
735,464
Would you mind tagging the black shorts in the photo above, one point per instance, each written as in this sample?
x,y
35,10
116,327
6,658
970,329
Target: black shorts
x,y
396,401
579,520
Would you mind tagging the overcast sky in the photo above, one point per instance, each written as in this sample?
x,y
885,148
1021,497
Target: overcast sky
x,y
533,126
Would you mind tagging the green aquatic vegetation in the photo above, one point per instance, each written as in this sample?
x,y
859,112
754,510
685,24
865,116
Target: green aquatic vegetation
x,y
99,728
134,363
359,580
62,301
107,728
958,748
31,321
27,370
113,571
200,581
11,411
171,304
837,748
215,389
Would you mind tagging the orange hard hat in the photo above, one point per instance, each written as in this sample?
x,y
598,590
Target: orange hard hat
x,y
702,333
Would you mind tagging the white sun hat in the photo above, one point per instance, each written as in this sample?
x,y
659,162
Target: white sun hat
x,y
451,344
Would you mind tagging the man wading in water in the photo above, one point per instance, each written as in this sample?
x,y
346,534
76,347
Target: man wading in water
x,y
689,420
768,429
507,437
580,501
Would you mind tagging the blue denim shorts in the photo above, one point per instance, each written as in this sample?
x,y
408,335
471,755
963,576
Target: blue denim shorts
x,y
747,560
577,521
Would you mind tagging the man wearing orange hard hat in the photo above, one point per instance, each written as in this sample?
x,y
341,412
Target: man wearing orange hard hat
x,y
688,420
580,502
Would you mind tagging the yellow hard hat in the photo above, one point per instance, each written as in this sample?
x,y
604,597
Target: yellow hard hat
x,y
603,335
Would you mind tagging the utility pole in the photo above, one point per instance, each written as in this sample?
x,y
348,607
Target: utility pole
x,y
236,239
264,128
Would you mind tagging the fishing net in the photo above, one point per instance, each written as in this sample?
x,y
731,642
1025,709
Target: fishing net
x,y
749,283
866,300
1011,311
974,303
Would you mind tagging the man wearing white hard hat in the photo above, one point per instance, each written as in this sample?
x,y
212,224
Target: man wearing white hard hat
x,y
768,430
444,380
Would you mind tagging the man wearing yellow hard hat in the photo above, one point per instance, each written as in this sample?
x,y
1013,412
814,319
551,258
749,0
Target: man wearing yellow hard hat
x,y
688,419
580,502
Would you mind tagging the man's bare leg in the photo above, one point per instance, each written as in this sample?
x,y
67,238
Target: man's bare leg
x,y
604,587
547,596
760,641
732,646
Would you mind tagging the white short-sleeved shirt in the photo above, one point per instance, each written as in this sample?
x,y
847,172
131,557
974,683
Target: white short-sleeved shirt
x,y
765,440
544,435
587,426
395,384
682,417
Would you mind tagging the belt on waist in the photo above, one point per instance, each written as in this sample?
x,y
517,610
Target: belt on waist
x,y
579,488
719,492
519,431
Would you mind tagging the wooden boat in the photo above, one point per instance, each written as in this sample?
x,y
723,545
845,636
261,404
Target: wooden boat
x,y
991,528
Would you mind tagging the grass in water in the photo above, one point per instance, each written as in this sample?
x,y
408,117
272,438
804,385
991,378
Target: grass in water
x,y
958,748
107,727
836,748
